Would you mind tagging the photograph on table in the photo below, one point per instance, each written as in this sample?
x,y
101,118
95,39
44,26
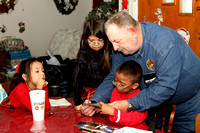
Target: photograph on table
x,y
95,127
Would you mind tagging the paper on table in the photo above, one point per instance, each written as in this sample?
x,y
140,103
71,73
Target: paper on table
x,y
131,130
59,102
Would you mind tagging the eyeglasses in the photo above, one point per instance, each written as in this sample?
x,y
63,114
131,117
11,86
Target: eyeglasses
x,y
99,42
121,87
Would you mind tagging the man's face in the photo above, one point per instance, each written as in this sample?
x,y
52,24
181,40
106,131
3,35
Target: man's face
x,y
124,40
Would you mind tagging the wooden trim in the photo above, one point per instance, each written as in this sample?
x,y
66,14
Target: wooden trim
x,y
197,123
186,14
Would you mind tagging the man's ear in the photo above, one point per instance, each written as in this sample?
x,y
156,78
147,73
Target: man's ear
x,y
132,32
131,29
135,86
25,77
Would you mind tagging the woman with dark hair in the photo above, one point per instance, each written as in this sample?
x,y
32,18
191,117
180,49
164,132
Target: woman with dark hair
x,y
93,61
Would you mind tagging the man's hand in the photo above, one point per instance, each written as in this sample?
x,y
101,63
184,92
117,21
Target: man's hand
x,y
121,105
87,109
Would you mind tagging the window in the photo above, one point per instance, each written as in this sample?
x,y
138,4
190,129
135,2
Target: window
x,y
168,2
185,6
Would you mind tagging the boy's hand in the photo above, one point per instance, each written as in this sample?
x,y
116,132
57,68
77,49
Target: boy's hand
x,y
41,84
106,109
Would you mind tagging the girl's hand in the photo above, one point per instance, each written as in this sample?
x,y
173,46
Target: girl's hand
x,y
106,109
41,84
87,109
78,107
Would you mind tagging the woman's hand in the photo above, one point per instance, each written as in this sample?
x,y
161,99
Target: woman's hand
x,y
106,109
87,109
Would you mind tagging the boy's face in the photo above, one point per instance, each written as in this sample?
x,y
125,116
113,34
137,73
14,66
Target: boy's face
x,y
124,83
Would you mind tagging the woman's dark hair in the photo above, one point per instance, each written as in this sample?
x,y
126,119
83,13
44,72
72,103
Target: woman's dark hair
x,y
95,26
131,68
24,68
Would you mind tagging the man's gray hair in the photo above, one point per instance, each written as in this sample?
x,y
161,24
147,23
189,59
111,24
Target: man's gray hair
x,y
121,19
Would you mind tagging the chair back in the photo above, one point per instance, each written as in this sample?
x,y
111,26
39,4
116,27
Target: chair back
x,y
165,113
197,124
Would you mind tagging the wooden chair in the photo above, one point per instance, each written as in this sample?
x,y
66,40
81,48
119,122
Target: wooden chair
x,y
197,124
166,113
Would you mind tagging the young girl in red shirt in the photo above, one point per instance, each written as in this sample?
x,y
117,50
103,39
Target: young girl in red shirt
x,y
30,76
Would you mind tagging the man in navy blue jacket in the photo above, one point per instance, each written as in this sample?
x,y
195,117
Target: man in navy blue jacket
x,y
171,70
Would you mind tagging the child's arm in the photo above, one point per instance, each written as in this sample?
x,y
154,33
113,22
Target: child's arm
x,y
22,95
121,117
106,109
128,118
47,103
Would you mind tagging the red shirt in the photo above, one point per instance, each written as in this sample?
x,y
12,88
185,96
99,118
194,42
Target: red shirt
x,y
134,119
19,97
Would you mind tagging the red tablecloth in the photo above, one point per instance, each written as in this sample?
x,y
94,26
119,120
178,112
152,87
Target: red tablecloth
x,y
63,120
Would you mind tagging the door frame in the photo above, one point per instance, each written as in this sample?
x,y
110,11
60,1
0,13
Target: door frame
x,y
132,8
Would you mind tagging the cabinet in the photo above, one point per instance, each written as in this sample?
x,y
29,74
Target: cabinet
x,y
2,59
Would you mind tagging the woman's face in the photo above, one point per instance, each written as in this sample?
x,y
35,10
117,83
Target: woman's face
x,y
95,43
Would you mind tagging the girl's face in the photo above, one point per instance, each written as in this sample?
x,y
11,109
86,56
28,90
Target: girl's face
x,y
95,43
36,72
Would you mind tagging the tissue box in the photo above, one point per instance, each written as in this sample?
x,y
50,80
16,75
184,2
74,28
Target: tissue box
x,y
15,57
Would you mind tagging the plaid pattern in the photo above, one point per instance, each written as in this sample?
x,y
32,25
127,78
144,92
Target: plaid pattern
x,y
87,93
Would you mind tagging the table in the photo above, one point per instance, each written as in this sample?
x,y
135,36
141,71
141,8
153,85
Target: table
x,y
63,120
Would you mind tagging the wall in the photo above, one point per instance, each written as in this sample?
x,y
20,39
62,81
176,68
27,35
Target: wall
x,y
42,20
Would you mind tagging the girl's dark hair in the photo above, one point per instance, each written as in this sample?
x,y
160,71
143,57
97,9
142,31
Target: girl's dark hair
x,y
24,68
95,26
131,68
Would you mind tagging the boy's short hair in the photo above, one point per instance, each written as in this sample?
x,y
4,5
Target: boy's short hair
x,y
131,68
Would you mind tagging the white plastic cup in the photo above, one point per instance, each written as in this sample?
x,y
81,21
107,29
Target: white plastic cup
x,y
37,98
